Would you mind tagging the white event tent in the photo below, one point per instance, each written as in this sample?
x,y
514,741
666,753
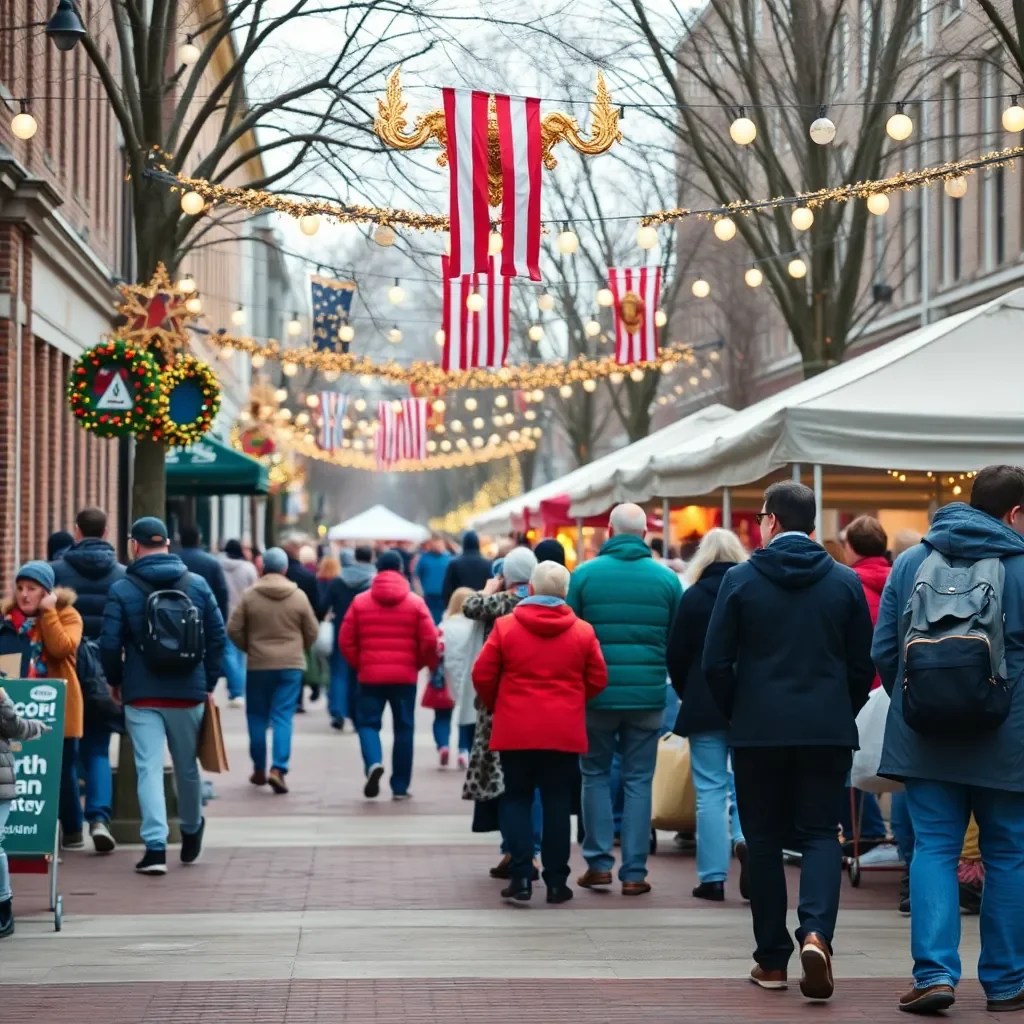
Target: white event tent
x,y
378,523
944,397
502,518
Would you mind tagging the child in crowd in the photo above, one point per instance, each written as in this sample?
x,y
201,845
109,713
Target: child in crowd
x,y
462,640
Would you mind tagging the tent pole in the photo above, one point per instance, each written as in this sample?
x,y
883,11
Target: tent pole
x,y
666,526
579,540
727,508
796,472
817,503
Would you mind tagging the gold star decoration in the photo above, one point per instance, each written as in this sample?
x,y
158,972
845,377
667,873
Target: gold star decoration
x,y
155,315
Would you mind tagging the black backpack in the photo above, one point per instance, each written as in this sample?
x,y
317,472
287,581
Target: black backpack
x,y
174,642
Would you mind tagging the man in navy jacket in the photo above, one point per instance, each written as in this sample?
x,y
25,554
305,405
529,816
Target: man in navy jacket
x,y
788,660
160,707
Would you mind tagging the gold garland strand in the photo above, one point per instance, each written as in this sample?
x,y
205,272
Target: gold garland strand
x,y
349,459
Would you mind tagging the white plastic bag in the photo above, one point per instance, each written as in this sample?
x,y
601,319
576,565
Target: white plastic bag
x,y
871,727
324,643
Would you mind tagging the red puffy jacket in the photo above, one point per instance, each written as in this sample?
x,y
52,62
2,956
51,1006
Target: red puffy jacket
x,y
387,633
536,672
873,571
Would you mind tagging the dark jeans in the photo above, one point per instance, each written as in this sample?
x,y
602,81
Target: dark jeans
x,y
554,773
370,704
442,728
70,801
785,792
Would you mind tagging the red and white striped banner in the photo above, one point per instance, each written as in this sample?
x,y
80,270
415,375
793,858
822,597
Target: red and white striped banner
x,y
401,432
519,138
636,292
332,412
471,338
465,122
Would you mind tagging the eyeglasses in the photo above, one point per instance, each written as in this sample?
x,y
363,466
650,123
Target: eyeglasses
x,y
758,516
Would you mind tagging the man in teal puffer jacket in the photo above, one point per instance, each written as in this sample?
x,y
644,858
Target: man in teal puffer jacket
x,y
631,601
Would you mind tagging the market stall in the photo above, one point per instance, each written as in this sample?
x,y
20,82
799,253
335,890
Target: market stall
x,y
378,524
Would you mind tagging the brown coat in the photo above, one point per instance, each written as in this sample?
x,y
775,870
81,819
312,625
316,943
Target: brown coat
x,y
274,624
61,632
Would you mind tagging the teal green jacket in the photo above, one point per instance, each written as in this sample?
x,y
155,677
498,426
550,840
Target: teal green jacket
x,y
631,602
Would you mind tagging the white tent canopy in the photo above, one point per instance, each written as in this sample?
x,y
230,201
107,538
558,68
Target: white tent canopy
x,y
945,397
498,520
378,523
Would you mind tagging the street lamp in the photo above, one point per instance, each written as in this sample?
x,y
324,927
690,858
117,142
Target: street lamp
x,y
65,27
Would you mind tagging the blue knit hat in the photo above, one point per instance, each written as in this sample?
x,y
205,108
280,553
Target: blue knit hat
x,y
38,572
275,560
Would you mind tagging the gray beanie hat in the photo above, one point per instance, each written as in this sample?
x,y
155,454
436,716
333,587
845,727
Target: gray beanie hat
x,y
519,565
38,572
274,560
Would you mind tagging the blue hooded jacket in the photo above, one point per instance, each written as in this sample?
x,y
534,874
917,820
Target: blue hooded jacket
x,y
788,650
994,760
90,568
124,624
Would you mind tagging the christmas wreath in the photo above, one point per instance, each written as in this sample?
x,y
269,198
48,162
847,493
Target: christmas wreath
x,y
189,402
114,389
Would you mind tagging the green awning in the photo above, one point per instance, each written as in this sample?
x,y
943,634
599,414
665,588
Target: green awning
x,y
212,467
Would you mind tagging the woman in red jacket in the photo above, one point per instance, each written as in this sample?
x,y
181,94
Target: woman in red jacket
x,y
388,635
536,672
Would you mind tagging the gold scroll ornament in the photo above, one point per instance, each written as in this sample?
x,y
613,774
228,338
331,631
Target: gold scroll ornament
x,y
390,125
631,311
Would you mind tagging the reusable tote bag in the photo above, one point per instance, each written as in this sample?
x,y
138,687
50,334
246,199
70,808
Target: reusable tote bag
x,y
673,800
871,729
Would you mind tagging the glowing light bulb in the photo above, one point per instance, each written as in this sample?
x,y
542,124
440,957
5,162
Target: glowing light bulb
x,y
258,361
647,236
538,394
590,385
899,127
474,302
822,130
1013,118
753,277
470,404
495,243
478,422
193,304
660,318
189,53
394,335
238,316
591,328
700,288
743,131
797,268
605,297
955,188
289,369
500,401
24,125
725,229
636,375
346,333
384,235
294,326
281,395
312,401
802,218
186,285
878,204
193,203
536,332
568,242
615,377
545,302
310,224
439,337
565,391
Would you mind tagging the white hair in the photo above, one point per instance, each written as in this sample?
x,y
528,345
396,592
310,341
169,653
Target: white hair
x,y
628,518
550,579
717,545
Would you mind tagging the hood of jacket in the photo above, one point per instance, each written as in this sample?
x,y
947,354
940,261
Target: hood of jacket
x,y
357,576
92,558
389,587
158,570
959,531
711,578
626,547
544,619
873,571
236,568
275,586
793,562
470,543
65,598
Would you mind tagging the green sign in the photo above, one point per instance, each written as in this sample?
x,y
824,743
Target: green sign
x,y
32,824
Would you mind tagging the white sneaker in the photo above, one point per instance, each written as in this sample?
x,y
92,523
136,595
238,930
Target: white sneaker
x,y
236,702
102,840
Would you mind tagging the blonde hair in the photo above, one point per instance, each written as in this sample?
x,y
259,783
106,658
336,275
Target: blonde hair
x,y
902,541
457,600
550,579
717,545
329,568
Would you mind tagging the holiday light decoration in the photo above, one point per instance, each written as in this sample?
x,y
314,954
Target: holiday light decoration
x,y
114,389
156,314
195,385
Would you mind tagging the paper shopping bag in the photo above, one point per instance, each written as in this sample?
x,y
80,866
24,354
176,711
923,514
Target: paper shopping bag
x,y
673,800
213,756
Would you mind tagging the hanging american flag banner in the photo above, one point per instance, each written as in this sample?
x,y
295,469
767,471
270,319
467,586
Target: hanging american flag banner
x,y
465,121
520,142
332,414
332,303
475,338
401,431
636,291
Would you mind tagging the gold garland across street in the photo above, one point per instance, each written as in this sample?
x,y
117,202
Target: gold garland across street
x,y
350,459
525,376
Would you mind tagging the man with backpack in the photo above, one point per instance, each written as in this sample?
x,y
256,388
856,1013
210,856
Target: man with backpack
x,y
951,632
166,622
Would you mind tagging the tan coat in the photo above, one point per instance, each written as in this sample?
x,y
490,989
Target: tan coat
x,y
274,624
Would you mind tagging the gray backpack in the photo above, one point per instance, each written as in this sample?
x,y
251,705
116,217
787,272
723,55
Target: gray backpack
x,y
954,664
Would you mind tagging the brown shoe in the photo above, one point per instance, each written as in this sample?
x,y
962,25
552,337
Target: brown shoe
x,y
635,888
1006,1005
928,1000
276,781
774,981
500,870
816,960
591,879
258,778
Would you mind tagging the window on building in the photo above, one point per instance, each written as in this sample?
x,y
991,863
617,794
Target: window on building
x,y
919,30
993,180
952,209
8,38
841,52
867,26
757,16
951,9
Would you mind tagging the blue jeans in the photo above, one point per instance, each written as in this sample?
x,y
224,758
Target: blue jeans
x,y
435,605
716,805
442,728
634,736
466,734
902,827
149,729
273,697
94,761
370,706
940,812
70,801
5,875
337,695
233,666
872,824
536,819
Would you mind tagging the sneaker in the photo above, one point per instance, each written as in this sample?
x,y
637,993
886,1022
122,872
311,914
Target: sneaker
x,y
102,840
373,777
883,855
275,780
713,891
904,904
192,844
774,981
6,918
72,841
816,981
740,850
401,796
927,1000
591,879
971,876
154,862
463,761
443,752
236,702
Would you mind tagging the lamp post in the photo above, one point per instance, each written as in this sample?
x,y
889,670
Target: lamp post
x,y
65,27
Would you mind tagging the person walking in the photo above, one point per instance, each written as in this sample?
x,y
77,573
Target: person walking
x,y
431,570
703,723
274,625
161,645
300,552
90,568
201,563
57,544
470,569
787,659
388,635
357,572
954,738
550,550
461,639
536,672
631,601
239,575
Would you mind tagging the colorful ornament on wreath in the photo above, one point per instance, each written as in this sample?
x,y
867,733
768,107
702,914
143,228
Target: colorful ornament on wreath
x,y
114,389
189,402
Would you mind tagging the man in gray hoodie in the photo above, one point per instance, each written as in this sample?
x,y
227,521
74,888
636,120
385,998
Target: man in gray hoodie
x,y
356,574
